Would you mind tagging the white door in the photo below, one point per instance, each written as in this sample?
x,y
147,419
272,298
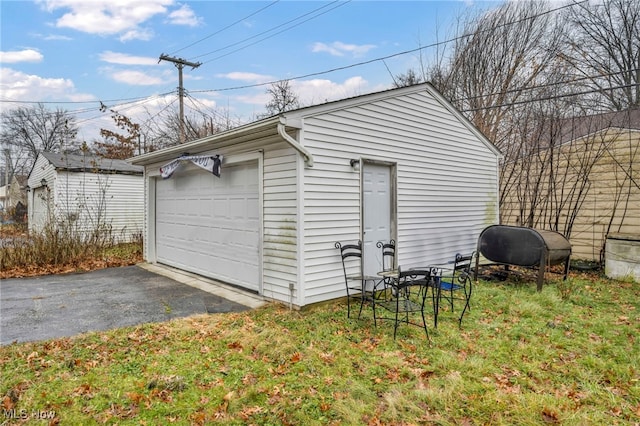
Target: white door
x,y
40,208
210,225
376,211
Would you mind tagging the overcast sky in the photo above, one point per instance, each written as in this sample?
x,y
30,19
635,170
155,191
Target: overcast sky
x,y
76,54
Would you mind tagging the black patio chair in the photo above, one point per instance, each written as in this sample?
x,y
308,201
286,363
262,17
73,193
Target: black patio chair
x,y
388,261
388,254
355,280
407,296
457,284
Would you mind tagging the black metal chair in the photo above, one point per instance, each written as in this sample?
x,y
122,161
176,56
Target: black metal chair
x,y
388,254
388,260
355,280
458,283
407,294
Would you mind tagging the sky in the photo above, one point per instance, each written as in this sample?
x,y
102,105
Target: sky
x,y
80,55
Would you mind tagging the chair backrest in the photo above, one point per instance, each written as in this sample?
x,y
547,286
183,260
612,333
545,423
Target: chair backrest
x,y
350,251
417,276
388,254
464,263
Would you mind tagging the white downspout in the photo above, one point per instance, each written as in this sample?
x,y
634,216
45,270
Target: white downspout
x,y
308,158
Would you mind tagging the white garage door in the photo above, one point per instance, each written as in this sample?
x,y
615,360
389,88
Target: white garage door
x,y
210,225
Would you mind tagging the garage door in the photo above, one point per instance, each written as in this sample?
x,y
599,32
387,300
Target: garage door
x,y
210,225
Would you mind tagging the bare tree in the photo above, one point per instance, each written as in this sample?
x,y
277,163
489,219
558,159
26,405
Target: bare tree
x,y
409,78
283,98
162,129
119,145
27,131
603,46
497,62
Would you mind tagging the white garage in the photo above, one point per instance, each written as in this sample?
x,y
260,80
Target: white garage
x,y
401,164
211,225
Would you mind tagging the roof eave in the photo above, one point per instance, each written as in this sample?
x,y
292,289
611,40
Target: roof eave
x,y
205,143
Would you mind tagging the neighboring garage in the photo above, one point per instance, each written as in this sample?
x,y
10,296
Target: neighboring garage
x,y
262,205
87,193
211,226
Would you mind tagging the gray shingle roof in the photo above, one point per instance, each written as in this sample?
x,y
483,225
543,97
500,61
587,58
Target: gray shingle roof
x,y
90,163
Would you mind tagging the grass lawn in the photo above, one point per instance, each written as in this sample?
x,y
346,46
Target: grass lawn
x,y
568,355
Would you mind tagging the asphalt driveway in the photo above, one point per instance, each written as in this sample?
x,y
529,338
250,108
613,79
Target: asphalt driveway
x,y
55,306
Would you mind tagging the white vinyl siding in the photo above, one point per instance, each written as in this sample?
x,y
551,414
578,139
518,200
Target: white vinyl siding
x,y
280,250
96,200
446,183
109,200
279,210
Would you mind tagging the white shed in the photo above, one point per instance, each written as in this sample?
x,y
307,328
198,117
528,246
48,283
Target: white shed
x,y
401,164
87,192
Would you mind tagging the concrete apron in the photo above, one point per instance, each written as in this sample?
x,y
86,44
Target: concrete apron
x,y
248,299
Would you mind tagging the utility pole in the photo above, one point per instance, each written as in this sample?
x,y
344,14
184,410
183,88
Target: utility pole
x,y
180,63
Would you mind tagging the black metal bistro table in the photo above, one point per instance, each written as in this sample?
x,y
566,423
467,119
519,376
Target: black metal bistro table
x,y
405,292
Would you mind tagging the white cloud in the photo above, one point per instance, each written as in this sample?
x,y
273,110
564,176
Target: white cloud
x,y
26,55
247,77
337,48
56,37
316,91
144,34
136,78
184,16
313,92
106,17
19,86
126,59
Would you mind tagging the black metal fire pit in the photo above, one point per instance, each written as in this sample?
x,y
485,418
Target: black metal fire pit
x,y
528,247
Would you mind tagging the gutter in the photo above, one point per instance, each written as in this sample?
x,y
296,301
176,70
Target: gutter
x,y
308,158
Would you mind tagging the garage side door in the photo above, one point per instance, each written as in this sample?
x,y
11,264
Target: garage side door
x,y
211,226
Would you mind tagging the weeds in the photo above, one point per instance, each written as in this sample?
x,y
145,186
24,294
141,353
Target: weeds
x,y
63,245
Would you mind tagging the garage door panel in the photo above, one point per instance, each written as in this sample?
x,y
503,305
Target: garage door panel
x,y
210,225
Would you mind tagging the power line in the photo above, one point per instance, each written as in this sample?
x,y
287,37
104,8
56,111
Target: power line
x,y
212,111
549,98
121,100
226,28
546,85
341,3
314,74
264,32
383,58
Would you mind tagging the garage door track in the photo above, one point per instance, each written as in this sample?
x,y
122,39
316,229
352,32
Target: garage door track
x,y
55,306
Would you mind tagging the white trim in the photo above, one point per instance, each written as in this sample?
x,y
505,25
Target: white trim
x,y
204,144
300,285
151,213
260,157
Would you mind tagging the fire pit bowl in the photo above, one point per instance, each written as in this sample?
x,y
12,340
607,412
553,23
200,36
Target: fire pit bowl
x,y
522,246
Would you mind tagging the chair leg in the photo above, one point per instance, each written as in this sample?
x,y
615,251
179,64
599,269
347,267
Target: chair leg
x,y
395,325
424,323
362,296
467,305
451,299
435,300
